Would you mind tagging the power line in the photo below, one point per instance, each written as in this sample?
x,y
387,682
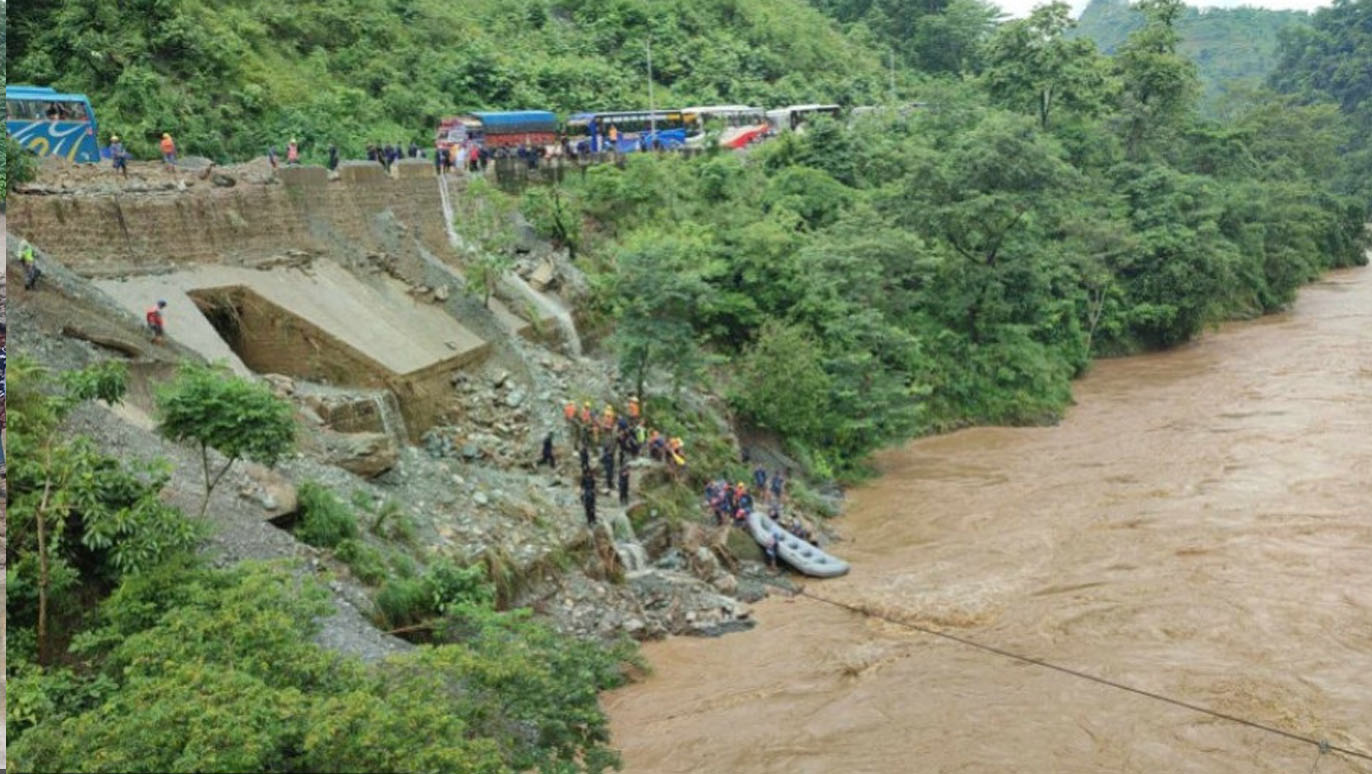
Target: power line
x,y
1323,745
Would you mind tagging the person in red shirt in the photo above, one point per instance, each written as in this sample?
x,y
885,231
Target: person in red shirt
x,y
156,321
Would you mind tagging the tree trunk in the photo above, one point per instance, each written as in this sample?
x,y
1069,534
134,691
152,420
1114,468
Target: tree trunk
x,y
41,519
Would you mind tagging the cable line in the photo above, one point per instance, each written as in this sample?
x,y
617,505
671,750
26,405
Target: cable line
x,y
1323,745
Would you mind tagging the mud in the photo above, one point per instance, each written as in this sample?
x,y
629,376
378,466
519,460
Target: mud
x,y
1199,526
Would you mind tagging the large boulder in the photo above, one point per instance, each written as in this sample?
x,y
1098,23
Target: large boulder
x,y
366,454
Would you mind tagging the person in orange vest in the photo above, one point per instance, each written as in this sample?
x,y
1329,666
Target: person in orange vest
x,y
156,322
569,413
168,150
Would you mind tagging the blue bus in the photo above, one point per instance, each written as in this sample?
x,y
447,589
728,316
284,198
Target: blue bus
x,y
52,124
630,130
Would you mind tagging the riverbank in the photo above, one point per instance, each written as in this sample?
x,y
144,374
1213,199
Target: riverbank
x,y
1196,526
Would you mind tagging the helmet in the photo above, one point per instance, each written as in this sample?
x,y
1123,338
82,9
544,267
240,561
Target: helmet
x,y
292,139
166,135
161,303
114,138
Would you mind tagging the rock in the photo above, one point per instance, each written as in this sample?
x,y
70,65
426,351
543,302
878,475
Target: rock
x,y
281,385
470,451
542,276
515,398
725,583
366,454
500,379
222,180
481,499
441,293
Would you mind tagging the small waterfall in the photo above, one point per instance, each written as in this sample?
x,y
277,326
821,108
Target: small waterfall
x,y
446,201
392,423
516,282
632,556
549,305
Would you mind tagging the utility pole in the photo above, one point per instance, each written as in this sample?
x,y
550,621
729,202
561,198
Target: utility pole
x,y
892,60
652,115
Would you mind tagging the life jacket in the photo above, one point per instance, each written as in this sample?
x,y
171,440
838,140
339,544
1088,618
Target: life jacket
x,y
26,254
586,415
154,316
167,145
569,411
292,153
633,409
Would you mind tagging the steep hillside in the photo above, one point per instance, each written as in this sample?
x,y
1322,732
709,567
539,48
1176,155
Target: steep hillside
x,y
231,77
1230,46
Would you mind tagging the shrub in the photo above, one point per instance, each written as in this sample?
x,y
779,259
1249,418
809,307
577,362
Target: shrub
x,y
324,520
366,561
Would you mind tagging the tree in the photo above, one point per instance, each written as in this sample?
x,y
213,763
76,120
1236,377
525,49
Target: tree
x,y
782,384
217,410
487,231
77,518
556,214
657,291
1033,67
19,166
1159,86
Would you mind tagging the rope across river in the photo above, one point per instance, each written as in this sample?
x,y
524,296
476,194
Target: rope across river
x,y
1323,746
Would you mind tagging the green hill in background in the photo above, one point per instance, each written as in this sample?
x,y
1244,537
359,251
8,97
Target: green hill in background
x,y
1230,46
228,77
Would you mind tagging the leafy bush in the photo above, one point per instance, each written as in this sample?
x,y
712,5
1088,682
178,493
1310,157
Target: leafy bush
x,y
365,561
324,520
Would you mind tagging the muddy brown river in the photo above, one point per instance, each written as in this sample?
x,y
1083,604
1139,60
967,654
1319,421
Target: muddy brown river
x,y
1199,525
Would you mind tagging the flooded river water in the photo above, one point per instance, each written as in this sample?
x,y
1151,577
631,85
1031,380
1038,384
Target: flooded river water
x,y
1200,526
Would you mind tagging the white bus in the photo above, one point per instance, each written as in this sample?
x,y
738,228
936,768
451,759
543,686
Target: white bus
x,y
742,124
792,117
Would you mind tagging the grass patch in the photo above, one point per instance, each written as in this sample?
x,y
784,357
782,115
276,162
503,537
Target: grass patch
x,y
324,520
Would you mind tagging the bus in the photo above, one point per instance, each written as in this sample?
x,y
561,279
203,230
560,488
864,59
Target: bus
x,y
504,129
49,123
792,117
742,124
633,130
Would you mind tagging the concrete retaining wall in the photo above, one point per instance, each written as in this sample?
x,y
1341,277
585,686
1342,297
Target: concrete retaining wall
x,y
114,234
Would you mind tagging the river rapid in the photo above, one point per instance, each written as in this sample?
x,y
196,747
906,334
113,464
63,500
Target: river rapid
x,y
1199,525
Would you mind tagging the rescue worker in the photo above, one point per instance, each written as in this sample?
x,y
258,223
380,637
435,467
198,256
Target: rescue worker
x,y
623,485
569,413
588,496
292,152
634,409
547,457
156,323
333,157
168,150
26,259
607,464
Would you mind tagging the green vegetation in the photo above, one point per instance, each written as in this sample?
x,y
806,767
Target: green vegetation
x,y
324,520
230,78
1330,61
238,418
191,669
1233,48
126,653
849,287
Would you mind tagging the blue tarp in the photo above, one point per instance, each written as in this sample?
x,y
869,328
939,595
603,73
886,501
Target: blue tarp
x,y
518,121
